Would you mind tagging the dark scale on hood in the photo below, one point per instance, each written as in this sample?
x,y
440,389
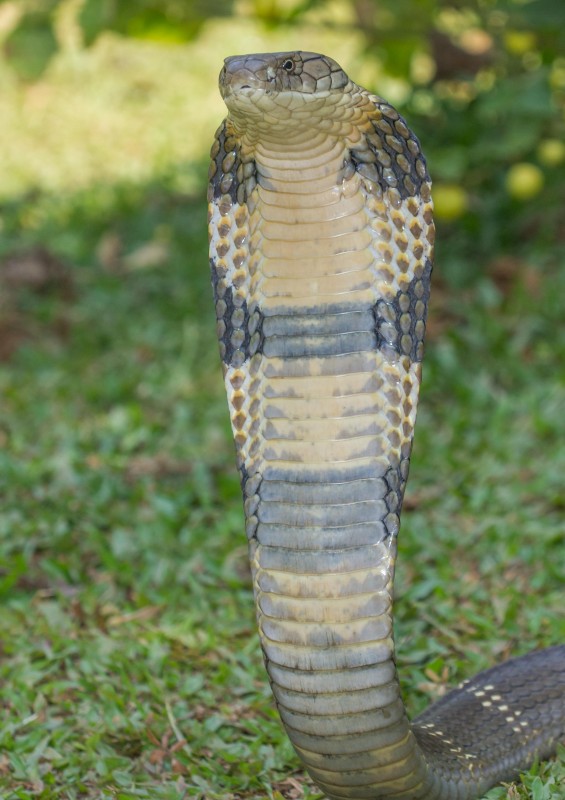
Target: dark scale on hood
x,y
240,330
228,174
400,324
393,158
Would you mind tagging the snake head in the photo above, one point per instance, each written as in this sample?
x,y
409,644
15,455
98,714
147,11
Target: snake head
x,y
262,80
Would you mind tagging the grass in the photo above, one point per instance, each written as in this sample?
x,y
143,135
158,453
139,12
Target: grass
x,y
129,663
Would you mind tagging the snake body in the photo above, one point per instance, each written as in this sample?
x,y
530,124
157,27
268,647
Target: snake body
x,y
321,239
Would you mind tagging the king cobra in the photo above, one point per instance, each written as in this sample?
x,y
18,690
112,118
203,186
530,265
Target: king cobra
x,y
321,241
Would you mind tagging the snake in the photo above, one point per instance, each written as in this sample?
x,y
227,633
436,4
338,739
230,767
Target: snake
x,y
321,238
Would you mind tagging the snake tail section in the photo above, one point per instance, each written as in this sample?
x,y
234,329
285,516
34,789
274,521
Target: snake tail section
x,y
321,246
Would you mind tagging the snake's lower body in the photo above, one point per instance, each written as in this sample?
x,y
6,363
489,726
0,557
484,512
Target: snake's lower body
x,y
321,276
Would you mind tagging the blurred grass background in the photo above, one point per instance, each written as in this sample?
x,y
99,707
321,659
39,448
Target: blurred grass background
x,y
129,663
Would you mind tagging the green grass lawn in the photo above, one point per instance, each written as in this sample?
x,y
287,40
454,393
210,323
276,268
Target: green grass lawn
x,y
130,664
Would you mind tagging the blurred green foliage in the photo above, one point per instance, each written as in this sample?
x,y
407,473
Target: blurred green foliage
x,y
33,29
172,21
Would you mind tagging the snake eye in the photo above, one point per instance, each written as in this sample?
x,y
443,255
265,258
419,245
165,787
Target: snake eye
x,y
288,65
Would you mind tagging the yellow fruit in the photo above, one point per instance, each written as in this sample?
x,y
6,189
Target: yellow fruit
x,y
519,42
551,152
524,181
450,201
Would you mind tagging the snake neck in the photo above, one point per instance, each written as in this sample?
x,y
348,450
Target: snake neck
x,y
306,240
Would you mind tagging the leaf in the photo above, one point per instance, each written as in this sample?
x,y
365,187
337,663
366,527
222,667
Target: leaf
x,y
519,96
168,22
536,15
31,46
